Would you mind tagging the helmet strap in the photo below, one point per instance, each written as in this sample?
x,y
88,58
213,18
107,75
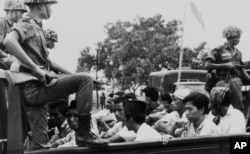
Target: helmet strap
x,y
47,12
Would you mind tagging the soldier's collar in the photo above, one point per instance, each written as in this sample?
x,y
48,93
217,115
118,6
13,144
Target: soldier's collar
x,y
36,19
228,47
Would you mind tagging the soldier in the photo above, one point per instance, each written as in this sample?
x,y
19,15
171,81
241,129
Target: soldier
x,y
14,10
226,61
27,42
51,38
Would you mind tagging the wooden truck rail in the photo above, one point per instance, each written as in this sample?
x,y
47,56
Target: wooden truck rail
x,y
195,145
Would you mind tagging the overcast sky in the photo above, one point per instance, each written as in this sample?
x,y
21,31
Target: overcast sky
x,y
80,23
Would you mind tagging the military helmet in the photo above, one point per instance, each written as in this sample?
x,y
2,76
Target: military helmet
x,y
231,32
51,34
14,5
39,1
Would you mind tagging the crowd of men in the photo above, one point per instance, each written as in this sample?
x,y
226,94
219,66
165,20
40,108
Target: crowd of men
x,y
156,117
161,116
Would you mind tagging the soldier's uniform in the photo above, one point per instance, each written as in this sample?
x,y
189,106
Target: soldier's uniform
x,y
37,94
225,54
5,26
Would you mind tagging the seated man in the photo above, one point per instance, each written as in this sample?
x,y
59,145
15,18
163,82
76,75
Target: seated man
x,y
119,132
153,106
27,43
229,120
58,120
196,105
135,117
178,114
165,100
72,119
103,119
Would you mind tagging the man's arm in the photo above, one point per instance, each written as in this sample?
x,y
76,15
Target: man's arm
x,y
3,54
13,46
210,65
116,138
58,69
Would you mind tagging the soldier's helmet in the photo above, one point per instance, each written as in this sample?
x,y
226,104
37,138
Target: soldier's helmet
x,y
231,32
14,5
39,1
51,35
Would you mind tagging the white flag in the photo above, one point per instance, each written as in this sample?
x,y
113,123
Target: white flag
x,y
197,14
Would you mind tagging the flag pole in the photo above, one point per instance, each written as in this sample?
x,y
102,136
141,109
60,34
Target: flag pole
x,y
182,49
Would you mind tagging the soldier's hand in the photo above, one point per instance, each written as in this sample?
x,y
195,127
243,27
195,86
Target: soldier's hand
x,y
39,73
43,76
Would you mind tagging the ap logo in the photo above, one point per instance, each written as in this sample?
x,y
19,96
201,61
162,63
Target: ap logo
x,y
239,145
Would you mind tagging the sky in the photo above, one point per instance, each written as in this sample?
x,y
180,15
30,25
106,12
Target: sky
x,y
80,23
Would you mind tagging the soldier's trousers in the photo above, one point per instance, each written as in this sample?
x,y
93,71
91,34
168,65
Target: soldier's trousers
x,y
37,95
237,100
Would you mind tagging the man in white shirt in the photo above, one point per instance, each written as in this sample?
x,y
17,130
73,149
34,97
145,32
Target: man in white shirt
x,y
135,120
196,106
119,132
229,120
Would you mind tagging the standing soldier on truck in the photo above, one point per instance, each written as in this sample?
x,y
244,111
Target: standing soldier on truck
x,y
14,10
27,42
226,60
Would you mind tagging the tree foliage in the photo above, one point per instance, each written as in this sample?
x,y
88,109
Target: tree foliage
x,y
132,50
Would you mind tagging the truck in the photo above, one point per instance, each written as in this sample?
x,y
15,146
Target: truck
x,y
166,81
11,141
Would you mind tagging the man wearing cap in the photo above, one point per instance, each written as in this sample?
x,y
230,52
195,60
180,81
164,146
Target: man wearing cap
x,y
226,61
135,117
14,10
178,115
26,41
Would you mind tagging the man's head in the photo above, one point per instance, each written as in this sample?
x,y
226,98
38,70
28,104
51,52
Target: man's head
x,y
178,97
118,106
232,34
14,10
166,101
196,105
57,110
72,115
151,95
51,38
118,109
134,113
43,7
220,99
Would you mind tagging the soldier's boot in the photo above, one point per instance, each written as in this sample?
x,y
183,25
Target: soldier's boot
x,y
84,136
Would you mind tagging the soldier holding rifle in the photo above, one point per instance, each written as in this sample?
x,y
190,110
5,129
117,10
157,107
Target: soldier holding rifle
x,y
225,66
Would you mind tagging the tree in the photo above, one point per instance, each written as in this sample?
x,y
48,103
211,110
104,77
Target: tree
x,y
85,61
137,48
132,50
198,61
